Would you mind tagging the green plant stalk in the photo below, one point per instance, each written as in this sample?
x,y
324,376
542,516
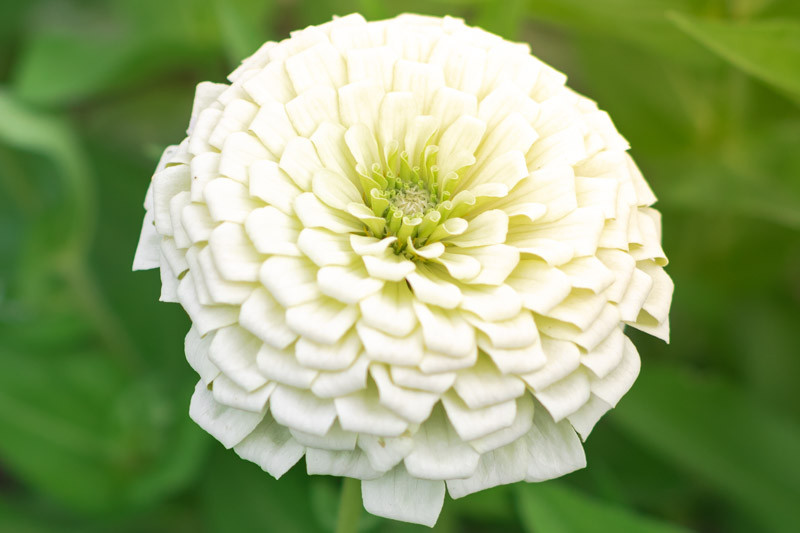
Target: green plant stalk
x,y
349,506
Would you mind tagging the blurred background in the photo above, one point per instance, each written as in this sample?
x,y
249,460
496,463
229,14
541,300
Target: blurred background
x,y
94,390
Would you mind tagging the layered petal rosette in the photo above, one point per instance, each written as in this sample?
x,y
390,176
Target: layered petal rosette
x,y
409,253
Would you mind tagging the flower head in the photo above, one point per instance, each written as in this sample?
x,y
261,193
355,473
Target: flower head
x,y
408,252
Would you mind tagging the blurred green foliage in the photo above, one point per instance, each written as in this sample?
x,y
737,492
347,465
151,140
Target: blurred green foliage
x,y
94,431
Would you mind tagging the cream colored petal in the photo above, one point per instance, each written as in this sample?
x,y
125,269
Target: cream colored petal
x,y
497,467
228,393
233,253
228,425
300,161
220,290
484,385
301,410
204,317
166,184
471,423
445,331
379,346
390,310
430,285
337,356
400,496
323,320
197,223
563,358
554,449
348,284
272,185
439,453
385,452
514,360
271,447
517,332
234,351
321,64
334,384
541,286
335,439
361,412
264,317
523,421
413,405
325,247
491,303
350,463
239,152
310,109
566,396
411,377
613,386
486,229
388,266
291,280
585,418
314,214
196,348
272,127
282,366
580,308
496,262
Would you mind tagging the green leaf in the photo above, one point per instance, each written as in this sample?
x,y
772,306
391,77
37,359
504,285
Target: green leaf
x,y
642,23
554,507
708,427
766,49
239,496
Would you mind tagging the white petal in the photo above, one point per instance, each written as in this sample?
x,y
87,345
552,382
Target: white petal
x,y
612,387
301,410
581,308
228,200
486,229
234,351
334,190
197,223
379,346
491,303
272,185
321,64
400,496
347,284
241,149
263,316
271,447
517,332
413,405
166,184
475,423
350,463
385,452
325,247
291,280
484,385
314,214
554,449
273,232
497,262
563,357
323,320
233,253
514,360
220,290
497,467
439,453
541,286
431,286
337,356
566,396
196,348
282,366
334,384
335,439
445,331
228,393
588,273
636,295
388,266
272,127
226,424
660,296
300,161
523,421
169,281
204,317
361,412
585,418
390,310
312,108
436,363
148,249
412,378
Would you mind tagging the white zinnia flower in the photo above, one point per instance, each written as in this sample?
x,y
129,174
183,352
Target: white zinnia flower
x,y
408,252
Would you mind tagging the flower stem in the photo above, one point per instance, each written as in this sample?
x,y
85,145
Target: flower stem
x,y
349,506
